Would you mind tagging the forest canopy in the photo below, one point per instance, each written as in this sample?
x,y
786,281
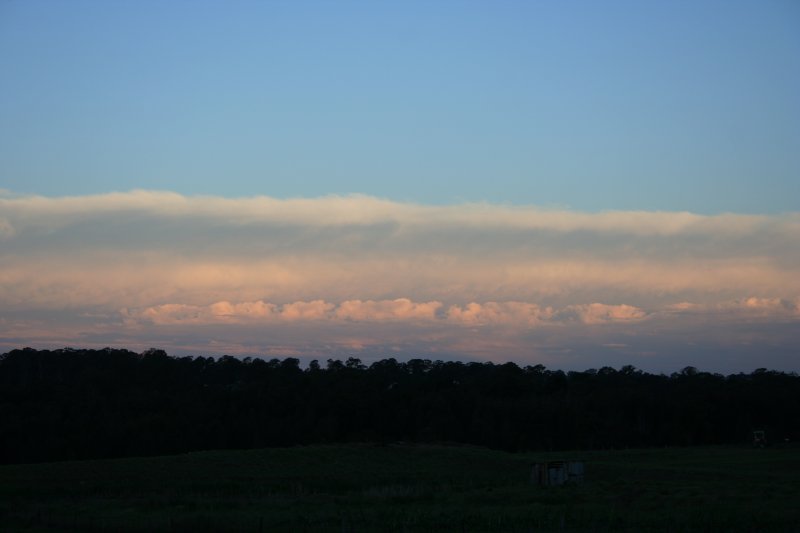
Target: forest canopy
x,y
80,404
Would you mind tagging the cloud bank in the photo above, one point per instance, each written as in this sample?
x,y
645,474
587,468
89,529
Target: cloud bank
x,y
399,310
309,275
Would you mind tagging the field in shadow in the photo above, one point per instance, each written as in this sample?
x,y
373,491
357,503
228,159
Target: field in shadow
x,y
401,487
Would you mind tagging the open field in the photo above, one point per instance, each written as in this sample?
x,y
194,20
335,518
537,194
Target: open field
x,y
407,488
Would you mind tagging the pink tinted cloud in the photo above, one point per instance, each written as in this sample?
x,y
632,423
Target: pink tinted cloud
x,y
145,248
510,313
398,309
598,313
314,310
361,271
506,313
752,306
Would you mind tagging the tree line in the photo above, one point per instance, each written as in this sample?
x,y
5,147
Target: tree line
x,y
81,404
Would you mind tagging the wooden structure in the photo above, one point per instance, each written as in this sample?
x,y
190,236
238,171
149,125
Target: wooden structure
x,y
554,473
759,438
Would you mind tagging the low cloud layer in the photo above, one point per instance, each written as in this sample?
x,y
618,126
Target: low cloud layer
x,y
400,310
485,280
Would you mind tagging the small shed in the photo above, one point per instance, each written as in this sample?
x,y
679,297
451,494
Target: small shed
x,y
553,473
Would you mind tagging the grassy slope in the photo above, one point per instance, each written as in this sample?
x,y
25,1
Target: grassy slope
x,y
406,488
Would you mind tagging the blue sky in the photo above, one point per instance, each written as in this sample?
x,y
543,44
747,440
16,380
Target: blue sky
x,y
588,105
573,183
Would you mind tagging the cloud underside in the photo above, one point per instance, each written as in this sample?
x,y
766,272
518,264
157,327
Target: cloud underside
x,y
360,271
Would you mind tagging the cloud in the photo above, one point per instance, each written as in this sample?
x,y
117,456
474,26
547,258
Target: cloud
x,y
513,313
753,306
362,271
316,310
6,229
768,304
146,248
498,313
597,313
224,312
298,311
34,213
398,309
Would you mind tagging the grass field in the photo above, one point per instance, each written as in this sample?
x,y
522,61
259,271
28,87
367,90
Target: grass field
x,y
407,488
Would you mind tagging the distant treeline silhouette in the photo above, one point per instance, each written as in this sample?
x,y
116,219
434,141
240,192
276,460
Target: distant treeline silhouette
x,y
81,404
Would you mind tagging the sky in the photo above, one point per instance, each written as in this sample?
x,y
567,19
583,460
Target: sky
x,y
578,184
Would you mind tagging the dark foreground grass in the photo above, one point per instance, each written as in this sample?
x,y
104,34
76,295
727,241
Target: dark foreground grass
x,y
406,488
